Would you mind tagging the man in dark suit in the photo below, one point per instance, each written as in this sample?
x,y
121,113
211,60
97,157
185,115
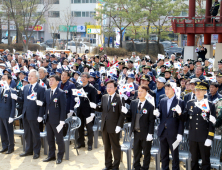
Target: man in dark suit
x,y
112,122
7,110
201,113
171,127
142,126
67,87
32,114
86,110
55,114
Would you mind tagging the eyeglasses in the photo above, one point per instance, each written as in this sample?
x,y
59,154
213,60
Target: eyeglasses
x,y
83,76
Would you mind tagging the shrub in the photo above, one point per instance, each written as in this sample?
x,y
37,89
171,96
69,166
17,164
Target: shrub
x,y
111,51
19,47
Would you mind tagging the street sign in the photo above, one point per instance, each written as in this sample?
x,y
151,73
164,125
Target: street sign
x,y
93,29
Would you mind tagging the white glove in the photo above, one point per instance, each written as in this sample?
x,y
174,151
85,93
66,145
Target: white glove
x,y
10,120
212,119
77,99
62,122
149,137
156,113
179,137
124,109
118,129
178,109
92,115
40,119
92,105
125,96
208,142
39,103
14,96
71,111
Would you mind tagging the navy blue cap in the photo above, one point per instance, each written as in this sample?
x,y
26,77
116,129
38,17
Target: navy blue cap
x,y
79,58
59,71
98,73
2,59
114,77
51,74
8,70
92,74
78,72
25,79
23,72
32,65
54,62
131,76
49,70
72,79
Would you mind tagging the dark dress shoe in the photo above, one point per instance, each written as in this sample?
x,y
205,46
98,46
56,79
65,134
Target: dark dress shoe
x,y
36,156
26,154
79,146
89,148
3,150
115,169
9,151
58,161
49,159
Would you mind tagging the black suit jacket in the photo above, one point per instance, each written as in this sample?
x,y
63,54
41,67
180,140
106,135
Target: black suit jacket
x,y
199,129
55,111
147,119
112,117
32,110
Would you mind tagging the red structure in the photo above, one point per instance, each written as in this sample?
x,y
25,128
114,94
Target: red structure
x,y
192,25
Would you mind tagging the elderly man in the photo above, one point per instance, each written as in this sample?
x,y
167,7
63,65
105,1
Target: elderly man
x,y
43,76
32,114
198,73
172,59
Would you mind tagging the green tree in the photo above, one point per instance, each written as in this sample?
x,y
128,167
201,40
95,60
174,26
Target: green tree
x,y
118,12
26,13
165,9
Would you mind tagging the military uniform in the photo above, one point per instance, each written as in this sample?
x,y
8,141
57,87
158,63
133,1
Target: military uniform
x,y
201,129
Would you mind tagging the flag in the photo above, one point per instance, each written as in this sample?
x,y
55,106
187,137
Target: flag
x,y
42,84
102,70
177,65
8,64
203,105
59,65
65,67
79,92
130,87
16,69
79,80
25,69
160,56
4,85
150,99
168,64
32,96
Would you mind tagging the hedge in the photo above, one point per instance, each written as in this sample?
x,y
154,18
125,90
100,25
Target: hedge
x,y
19,47
111,51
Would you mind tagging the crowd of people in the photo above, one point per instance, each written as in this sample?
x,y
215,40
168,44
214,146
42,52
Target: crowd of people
x,y
46,89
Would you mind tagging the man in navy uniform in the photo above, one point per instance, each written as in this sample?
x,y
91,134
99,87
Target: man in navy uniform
x,y
171,127
55,114
201,114
32,114
7,110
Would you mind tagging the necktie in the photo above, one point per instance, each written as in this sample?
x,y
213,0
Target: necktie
x,y
109,103
30,90
51,94
140,106
193,96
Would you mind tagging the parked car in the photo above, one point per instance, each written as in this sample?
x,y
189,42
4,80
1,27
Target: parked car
x,y
79,47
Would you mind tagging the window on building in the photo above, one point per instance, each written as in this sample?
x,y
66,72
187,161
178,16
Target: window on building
x,y
54,14
184,13
54,1
77,13
83,14
77,1
92,1
83,1
38,1
92,13
87,13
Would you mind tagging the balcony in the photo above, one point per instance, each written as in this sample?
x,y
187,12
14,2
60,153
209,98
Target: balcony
x,y
196,25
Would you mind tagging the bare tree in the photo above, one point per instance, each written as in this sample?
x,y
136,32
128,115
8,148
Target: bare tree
x,y
26,13
54,29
